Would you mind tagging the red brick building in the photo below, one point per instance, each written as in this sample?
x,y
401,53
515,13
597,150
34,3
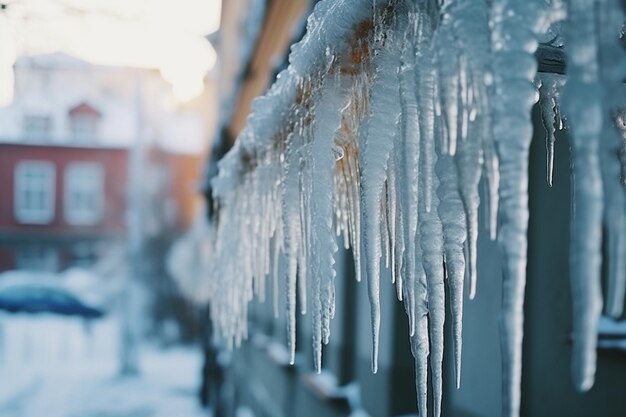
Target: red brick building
x,y
60,205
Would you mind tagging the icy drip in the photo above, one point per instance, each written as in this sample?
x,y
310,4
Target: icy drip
x,y
550,89
616,240
407,162
612,71
469,163
323,247
376,144
465,108
431,241
515,27
453,221
471,30
583,103
420,338
292,228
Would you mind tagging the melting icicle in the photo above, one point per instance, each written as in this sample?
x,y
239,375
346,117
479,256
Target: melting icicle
x,y
453,221
612,70
292,229
583,104
431,241
419,339
326,123
615,225
407,155
551,85
514,39
427,82
469,163
379,129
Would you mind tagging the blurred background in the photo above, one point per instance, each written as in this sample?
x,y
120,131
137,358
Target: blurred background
x,y
113,115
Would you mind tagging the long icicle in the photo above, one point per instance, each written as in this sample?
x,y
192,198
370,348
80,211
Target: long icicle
x,y
326,123
514,40
582,100
376,145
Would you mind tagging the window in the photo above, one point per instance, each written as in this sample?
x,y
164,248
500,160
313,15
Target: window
x,y
34,192
84,121
37,127
83,255
36,258
84,189
84,127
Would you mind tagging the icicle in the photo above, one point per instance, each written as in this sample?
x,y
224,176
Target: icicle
x,y
376,144
407,162
492,177
452,216
615,225
612,70
427,80
323,247
384,223
392,209
292,230
431,241
548,104
515,26
352,117
468,31
420,340
614,221
305,221
620,122
582,99
469,163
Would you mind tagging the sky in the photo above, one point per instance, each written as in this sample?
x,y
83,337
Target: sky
x,y
165,34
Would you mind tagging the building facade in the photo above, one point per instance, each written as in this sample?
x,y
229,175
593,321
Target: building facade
x,y
67,142
61,205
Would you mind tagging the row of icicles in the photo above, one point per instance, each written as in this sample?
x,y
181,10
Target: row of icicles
x,y
385,147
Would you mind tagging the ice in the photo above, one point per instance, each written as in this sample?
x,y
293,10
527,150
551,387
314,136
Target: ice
x,y
549,104
612,70
420,338
379,134
615,216
379,130
593,93
431,241
323,247
452,215
516,26
407,162
293,235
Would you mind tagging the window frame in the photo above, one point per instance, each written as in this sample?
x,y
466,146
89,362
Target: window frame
x,y
43,122
79,216
83,127
28,215
37,258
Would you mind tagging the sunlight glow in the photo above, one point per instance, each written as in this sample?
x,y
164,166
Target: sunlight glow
x,y
166,35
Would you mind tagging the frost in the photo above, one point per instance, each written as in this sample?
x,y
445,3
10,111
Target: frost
x,y
379,134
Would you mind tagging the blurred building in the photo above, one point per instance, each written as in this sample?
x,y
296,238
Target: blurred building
x,y
62,205
253,45
65,146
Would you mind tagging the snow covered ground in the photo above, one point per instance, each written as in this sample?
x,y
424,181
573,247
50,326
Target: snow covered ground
x,y
59,367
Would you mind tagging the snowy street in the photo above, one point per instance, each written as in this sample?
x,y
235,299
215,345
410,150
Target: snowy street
x,y
67,370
